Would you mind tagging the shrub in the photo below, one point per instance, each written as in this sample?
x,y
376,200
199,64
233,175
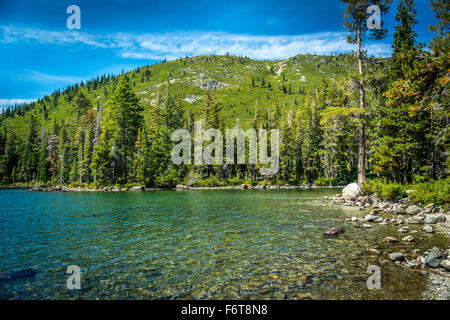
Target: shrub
x,y
373,187
437,192
393,191
77,185
322,181
388,191
234,181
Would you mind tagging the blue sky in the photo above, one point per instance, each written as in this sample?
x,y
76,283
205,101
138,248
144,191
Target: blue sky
x,y
38,54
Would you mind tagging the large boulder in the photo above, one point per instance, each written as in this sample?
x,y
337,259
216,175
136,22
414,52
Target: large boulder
x,y
412,210
350,191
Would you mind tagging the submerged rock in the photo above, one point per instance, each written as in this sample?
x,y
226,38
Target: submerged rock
x,y
373,251
396,256
334,232
19,274
390,239
408,239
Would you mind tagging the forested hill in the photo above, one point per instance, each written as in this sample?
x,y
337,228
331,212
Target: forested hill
x,y
116,129
239,84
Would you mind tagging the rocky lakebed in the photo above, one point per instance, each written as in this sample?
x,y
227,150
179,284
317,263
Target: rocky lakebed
x,y
412,223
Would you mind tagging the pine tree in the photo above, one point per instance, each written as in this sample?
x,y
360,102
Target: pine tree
x,y
401,126
122,121
170,118
356,23
81,104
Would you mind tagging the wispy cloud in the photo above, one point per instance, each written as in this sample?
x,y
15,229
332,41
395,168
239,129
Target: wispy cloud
x,y
45,77
11,102
174,45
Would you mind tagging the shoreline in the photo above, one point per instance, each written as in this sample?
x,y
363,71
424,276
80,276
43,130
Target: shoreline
x,y
434,263
177,188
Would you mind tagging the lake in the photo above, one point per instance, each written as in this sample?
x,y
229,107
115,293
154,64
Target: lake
x,y
202,244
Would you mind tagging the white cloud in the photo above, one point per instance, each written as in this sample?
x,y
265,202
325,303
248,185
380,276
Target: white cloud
x,y
44,77
174,45
11,102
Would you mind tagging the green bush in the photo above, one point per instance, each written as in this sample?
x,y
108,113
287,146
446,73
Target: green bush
x,y
393,191
322,181
372,187
437,192
77,185
388,191
209,182
235,181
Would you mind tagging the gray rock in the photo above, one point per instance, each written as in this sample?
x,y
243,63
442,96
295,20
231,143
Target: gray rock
x,y
390,239
396,256
429,208
334,232
438,210
415,221
404,229
399,209
373,251
421,260
412,264
430,220
445,264
412,210
140,188
351,191
441,218
428,229
384,206
366,225
370,217
408,238
434,258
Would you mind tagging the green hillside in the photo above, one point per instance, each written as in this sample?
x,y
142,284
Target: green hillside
x,y
240,85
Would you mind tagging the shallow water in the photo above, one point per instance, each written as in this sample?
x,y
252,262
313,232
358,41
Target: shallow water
x,y
212,244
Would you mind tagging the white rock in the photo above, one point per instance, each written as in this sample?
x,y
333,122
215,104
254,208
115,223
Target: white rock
x,y
351,190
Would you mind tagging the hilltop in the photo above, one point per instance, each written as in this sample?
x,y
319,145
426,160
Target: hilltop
x,y
241,85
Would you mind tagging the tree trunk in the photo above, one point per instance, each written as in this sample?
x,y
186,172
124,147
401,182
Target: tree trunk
x,y
362,125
